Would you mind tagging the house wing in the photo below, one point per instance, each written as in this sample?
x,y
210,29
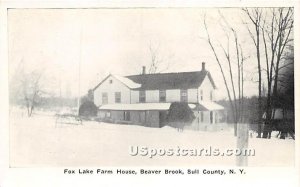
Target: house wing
x,y
211,80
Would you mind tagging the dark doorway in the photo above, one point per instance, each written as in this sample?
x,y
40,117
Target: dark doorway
x,y
211,117
162,118
126,116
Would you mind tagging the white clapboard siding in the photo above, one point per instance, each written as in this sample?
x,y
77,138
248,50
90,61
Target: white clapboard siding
x,y
110,89
206,88
152,96
134,96
172,95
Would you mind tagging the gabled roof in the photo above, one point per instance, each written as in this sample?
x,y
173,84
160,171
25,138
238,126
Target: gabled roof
x,y
127,82
182,80
163,81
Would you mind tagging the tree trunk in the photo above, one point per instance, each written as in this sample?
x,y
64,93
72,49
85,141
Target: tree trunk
x,y
242,144
259,81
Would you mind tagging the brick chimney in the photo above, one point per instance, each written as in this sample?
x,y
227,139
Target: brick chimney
x,y
203,66
144,70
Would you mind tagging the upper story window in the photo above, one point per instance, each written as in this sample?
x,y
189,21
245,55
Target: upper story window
x,y
117,97
183,96
201,95
162,95
142,98
104,98
211,95
110,81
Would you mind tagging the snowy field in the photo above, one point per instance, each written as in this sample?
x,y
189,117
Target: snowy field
x,y
40,142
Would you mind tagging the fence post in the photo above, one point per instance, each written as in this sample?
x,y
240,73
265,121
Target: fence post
x,y
242,144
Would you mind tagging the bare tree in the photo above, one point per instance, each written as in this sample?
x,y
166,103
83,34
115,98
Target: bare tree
x,y
255,17
26,87
274,27
31,89
235,96
286,90
276,36
158,62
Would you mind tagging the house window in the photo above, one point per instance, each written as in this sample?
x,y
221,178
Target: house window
x,y
107,114
201,95
142,96
162,95
202,117
126,116
117,97
110,81
183,96
211,95
104,98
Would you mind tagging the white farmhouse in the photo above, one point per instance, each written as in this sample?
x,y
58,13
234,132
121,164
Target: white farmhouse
x,y
145,99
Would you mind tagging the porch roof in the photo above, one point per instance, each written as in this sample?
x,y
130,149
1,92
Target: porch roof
x,y
140,106
209,105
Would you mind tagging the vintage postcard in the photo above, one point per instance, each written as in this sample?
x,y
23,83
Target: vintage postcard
x,y
180,91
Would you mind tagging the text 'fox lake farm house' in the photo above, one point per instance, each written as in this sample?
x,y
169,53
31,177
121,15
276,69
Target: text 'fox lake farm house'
x,y
145,99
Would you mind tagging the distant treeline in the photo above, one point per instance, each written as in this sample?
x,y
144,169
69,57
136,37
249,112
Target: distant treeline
x,y
250,112
250,107
53,102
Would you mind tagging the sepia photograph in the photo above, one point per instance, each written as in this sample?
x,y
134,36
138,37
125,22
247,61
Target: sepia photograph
x,y
153,87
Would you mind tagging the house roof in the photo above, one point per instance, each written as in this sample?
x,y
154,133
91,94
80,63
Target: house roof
x,y
182,80
129,83
140,106
164,81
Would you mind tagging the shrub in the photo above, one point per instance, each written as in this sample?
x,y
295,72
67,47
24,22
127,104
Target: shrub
x,y
88,109
180,115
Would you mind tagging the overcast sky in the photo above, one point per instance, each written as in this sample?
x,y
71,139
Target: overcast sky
x,y
117,41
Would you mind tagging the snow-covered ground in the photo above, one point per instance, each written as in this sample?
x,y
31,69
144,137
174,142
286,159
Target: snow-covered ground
x,y
39,141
